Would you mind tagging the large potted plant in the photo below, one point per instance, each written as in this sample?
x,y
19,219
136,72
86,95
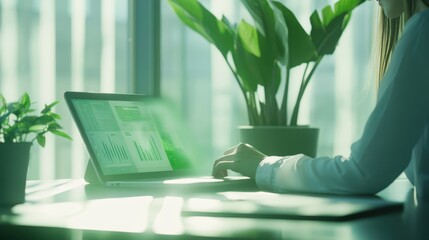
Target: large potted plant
x,y
261,56
18,130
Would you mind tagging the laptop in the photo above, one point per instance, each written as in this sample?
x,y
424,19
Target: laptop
x,y
136,141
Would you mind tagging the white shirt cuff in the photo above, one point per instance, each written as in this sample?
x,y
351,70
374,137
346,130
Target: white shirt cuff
x,y
265,172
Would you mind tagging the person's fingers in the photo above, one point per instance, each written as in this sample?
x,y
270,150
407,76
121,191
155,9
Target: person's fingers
x,y
221,167
229,157
230,150
220,174
225,173
246,148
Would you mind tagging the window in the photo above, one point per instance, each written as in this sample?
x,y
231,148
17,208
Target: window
x,y
48,47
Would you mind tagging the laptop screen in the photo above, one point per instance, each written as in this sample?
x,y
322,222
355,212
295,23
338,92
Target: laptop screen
x,y
130,136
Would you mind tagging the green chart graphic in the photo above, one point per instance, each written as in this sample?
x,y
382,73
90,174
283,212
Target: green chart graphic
x,y
149,152
113,150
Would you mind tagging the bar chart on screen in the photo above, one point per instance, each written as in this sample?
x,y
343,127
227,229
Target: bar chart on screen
x,y
146,145
111,149
147,150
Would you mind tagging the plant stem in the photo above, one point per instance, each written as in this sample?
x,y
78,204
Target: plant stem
x,y
257,119
294,118
42,133
283,108
250,108
304,84
272,110
267,108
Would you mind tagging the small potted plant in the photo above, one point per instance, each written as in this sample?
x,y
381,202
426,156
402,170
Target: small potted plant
x,y
261,56
18,130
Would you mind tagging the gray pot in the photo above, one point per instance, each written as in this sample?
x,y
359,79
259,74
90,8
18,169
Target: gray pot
x,y
14,158
281,140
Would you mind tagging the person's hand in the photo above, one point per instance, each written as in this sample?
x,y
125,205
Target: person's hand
x,y
242,158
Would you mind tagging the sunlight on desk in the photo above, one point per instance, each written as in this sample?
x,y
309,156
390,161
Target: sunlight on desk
x,y
192,180
168,220
42,190
127,215
216,205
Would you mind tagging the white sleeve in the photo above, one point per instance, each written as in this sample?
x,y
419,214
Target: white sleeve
x,y
385,147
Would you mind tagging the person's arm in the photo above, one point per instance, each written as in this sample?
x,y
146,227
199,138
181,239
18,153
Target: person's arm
x,y
385,147
384,150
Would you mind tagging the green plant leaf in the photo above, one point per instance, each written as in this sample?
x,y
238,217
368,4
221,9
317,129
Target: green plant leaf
x,y
22,128
37,128
3,119
61,134
282,37
197,17
25,103
54,115
14,108
29,120
4,112
229,27
241,59
3,104
301,48
270,22
54,126
44,120
41,139
248,36
326,38
252,65
9,134
327,30
49,107
260,13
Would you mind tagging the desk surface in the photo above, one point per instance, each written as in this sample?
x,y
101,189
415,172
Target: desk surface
x,y
71,209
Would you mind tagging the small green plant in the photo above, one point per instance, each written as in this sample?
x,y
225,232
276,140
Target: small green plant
x,y
17,125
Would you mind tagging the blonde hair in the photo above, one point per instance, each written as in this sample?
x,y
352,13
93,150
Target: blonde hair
x,y
389,31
